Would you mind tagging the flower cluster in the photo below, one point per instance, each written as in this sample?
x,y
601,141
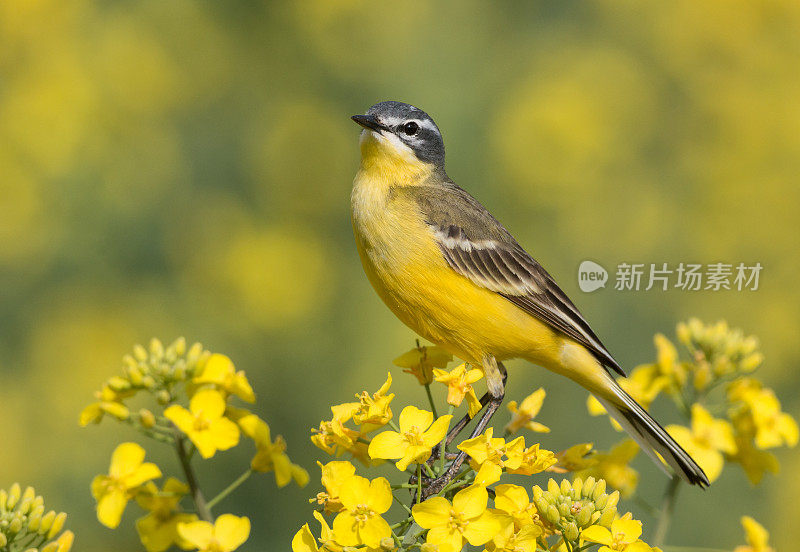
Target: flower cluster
x,y
25,526
715,378
194,412
453,494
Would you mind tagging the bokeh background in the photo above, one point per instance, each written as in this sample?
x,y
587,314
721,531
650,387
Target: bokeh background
x,y
184,168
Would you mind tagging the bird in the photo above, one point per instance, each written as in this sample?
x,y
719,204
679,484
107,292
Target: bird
x,y
453,274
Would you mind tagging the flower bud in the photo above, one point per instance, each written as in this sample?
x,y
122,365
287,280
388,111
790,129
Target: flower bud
x,y
47,522
552,515
3,540
58,525
156,349
607,517
387,543
571,532
428,547
13,496
577,485
599,489
566,488
15,526
135,375
51,547
140,353
65,541
148,382
601,502
613,499
588,486
553,488
163,397
147,418
585,516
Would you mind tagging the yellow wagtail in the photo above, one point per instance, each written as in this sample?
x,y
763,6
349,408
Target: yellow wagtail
x,y
452,273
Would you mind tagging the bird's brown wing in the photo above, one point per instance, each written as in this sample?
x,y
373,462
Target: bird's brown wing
x,y
478,247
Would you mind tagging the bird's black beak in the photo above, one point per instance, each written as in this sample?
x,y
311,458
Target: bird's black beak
x,y
370,122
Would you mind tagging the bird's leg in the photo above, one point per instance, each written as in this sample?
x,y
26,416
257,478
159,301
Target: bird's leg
x,y
495,377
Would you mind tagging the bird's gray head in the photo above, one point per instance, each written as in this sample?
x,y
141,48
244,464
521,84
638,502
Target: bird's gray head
x,y
401,129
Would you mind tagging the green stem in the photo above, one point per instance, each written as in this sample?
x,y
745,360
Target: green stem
x,y
430,399
229,489
197,494
419,483
667,507
443,446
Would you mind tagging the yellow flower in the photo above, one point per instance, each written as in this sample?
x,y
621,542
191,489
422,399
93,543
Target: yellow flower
x,y
450,526
757,410
373,410
421,361
707,439
754,462
304,540
127,473
271,456
228,533
575,458
486,450
158,530
623,536
204,423
93,413
513,500
333,474
459,385
524,414
614,467
756,536
360,520
531,460
220,371
419,433
515,540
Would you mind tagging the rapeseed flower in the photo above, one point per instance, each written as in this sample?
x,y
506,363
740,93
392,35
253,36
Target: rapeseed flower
x,y
622,536
227,533
204,423
420,362
524,413
486,452
707,439
513,501
220,372
528,461
614,467
756,536
126,474
450,526
158,530
459,386
271,455
334,473
360,522
419,433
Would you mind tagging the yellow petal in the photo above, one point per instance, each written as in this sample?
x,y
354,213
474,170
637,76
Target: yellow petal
x,y
231,531
373,531
380,495
482,529
198,533
596,533
345,529
511,498
353,491
628,529
216,369
388,444
437,431
181,417
411,416
110,507
224,433
304,541
208,402
145,472
756,535
125,459
447,539
471,502
431,513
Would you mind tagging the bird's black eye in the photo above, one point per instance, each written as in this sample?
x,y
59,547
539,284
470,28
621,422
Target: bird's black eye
x,y
411,128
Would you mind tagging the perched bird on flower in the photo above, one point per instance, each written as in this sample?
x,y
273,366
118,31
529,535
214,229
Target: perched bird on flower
x,y
226,534
451,272
126,474
419,433
205,423
466,520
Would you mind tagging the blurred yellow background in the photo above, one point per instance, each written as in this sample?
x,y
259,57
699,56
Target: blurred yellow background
x,y
184,168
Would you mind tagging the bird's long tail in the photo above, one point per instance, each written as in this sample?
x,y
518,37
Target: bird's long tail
x,y
651,437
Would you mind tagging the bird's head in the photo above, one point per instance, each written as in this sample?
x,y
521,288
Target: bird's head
x,y
399,133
